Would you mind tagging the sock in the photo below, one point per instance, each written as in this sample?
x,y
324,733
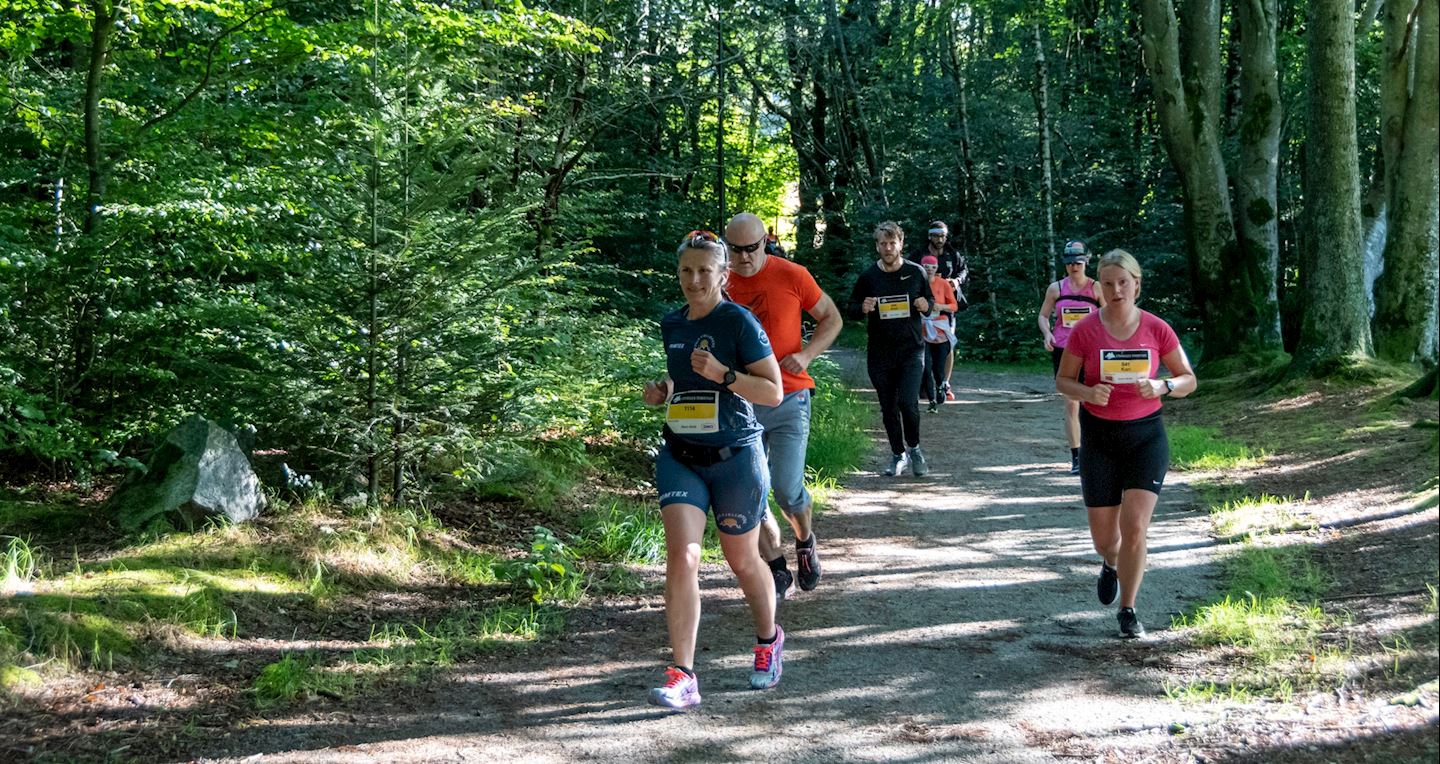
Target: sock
x,y
1074,453
769,641
779,563
687,671
807,543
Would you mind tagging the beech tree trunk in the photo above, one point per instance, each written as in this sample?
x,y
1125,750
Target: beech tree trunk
x,y
1042,98
1334,324
1259,231
1405,309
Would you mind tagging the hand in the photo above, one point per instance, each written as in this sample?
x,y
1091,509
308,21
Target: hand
x,y
1150,389
922,304
1049,343
655,393
868,305
1100,394
795,363
706,365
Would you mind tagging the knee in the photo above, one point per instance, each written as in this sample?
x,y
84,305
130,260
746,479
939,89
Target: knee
x,y
682,557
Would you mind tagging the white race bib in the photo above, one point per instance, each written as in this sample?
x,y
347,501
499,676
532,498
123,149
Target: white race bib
x,y
894,306
694,412
1120,367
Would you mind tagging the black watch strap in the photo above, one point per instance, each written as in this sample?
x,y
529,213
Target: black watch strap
x,y
729,378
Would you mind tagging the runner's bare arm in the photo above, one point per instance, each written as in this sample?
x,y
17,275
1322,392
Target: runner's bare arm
x,y
828,323
1068,384
1182,377
1043,317
758,382
658,391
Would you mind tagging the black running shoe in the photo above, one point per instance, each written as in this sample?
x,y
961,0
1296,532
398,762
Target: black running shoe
x,y
1075,465
784,583
1130,626
807,564
1108,587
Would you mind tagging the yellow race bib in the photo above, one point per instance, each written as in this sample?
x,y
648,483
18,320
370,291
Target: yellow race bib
x,y
1119,367
694,412
1070,315
894,306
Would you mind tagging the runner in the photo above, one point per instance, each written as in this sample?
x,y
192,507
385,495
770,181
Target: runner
x,y
1070,299
952,268
718,361
939,335
777,291
1124,453
894,294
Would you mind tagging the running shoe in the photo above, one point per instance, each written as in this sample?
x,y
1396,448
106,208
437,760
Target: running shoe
x,y
1075,465
767,663
1130,626
933,407
784,583
949,394
681,690
918,467
1108,587
898,463
807,564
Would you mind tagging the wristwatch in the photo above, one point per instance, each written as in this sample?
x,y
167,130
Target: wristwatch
x,y
729,379
1169,385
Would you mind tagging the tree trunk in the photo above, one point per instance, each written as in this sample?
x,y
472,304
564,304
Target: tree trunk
x,y
1334,325
1396,69
1258,223
1042,98
720,126
1405,293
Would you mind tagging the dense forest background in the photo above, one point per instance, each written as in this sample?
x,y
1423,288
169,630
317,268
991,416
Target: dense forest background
x,y
417,244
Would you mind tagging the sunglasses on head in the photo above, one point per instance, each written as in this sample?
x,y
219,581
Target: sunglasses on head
x,y
701,237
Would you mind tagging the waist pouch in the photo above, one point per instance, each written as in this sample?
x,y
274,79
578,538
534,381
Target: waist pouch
x,y
694,454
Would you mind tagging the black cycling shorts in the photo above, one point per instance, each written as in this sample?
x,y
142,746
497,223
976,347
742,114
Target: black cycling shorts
x,y
1116,456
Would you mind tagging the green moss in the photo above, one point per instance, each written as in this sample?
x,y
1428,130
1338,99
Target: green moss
x,y
14,678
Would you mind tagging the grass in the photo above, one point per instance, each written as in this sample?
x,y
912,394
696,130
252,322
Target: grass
x,y
17,567
1194,447
837,422
1255,515
300,678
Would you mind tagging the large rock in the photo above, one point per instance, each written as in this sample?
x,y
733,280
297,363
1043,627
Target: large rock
x,y
197,473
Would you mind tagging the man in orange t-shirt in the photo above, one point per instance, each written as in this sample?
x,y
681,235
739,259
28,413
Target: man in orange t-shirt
x,y
777,291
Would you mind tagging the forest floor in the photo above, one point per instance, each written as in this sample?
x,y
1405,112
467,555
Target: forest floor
x,y
956,621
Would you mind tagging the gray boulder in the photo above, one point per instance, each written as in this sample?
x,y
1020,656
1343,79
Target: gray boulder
x,y
198,473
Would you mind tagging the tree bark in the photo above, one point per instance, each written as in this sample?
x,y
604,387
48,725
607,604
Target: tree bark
x,y
1258,222
1042,97
1405,309
1334,324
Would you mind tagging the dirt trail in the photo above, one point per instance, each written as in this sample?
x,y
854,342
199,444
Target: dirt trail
x,y
956,621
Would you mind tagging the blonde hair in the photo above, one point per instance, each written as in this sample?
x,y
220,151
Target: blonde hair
x,y
1122,259
889,228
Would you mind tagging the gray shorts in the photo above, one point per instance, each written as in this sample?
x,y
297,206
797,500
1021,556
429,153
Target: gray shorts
x,y
787,432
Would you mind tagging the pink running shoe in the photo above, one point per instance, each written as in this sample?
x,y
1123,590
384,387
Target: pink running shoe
x,y
768,662
680,690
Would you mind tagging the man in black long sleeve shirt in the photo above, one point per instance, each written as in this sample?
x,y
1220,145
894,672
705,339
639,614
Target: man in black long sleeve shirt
x,y
893,294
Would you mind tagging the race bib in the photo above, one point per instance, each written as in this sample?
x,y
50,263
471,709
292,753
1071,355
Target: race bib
x,y
1120,367
894,306
1071,315
694,412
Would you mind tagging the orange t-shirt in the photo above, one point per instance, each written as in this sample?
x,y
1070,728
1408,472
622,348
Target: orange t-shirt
x,y
777,295
944,294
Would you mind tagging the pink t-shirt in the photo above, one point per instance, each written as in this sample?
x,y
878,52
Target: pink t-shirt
x,y
1122,363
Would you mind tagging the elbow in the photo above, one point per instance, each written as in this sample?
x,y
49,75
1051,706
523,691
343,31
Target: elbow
x,y
774,395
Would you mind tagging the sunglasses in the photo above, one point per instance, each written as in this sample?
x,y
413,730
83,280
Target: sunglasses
x,y
747,248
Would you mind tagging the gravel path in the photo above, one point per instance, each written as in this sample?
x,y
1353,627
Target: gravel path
x,y
956,620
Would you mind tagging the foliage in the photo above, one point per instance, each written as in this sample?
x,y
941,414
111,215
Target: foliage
x,y
548,572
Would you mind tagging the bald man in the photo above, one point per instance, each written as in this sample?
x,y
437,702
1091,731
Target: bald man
x,y
777,291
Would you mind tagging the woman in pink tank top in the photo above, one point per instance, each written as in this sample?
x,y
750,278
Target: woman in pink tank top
x,y
1070,299
1124,452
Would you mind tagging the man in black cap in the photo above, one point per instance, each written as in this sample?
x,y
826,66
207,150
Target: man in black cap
x,y
952,268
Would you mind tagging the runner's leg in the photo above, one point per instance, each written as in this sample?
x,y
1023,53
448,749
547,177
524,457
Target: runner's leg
x,y
1133,519
684,529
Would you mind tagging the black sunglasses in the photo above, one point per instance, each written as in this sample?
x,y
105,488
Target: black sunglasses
x,y
747,248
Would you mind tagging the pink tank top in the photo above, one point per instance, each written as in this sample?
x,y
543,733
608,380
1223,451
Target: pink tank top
x,y
1070,307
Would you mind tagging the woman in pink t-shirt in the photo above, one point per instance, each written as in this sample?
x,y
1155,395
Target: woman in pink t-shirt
x,y
1124,453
